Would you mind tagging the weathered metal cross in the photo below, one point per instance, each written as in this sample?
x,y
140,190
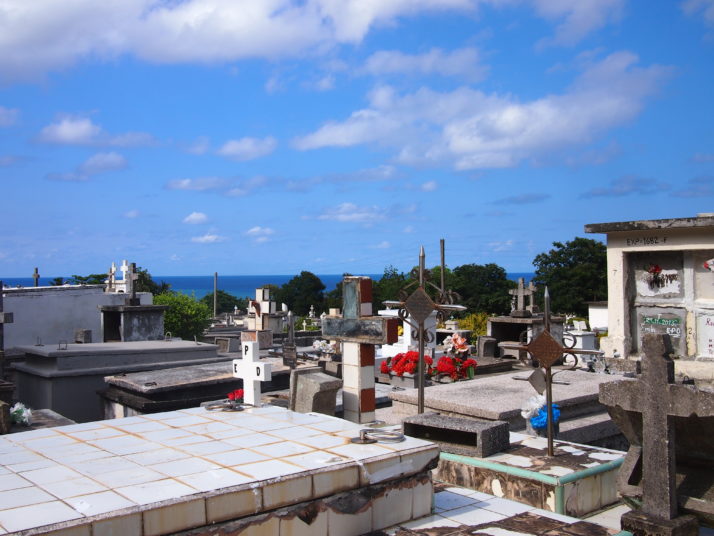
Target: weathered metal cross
x,y
417,307
547,351
359,332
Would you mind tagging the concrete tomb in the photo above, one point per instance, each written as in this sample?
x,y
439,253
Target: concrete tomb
x,y
661,280
266,471
263,320
66,377
670,428
501,397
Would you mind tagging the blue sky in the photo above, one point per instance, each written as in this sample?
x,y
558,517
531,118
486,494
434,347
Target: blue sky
x,y
273,136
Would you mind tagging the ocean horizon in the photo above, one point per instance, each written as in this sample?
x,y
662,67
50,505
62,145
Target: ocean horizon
x,y
237,285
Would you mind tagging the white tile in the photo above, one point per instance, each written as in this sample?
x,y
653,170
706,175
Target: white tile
x,y
322,441
429,523
142,427
252,440
189,439
23,496
183,421
37,515
284,448
96,433
73,487
268,469
553,515
159,436
22,437
128,477
98,503
211,447
336,425
82,427
298,418
103,465
156,491
20,456
209,428
125,445
504,506
12,481
152,457
478,495
360,452
38,463
316,459
294,432
50,474
184,467
235,457
446,500
472,515
214,479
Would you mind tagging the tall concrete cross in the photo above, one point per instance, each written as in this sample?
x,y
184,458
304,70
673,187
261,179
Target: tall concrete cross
x,y
359,332
36,277
659,400
133,277
520,293
252,372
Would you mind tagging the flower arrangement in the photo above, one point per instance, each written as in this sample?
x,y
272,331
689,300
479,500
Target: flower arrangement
x,y
324,347
407,362
456,368
535,410
20,414
456,345
236,396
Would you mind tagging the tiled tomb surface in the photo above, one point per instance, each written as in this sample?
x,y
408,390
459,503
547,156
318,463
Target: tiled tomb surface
x,y
461,512
578,480
190,469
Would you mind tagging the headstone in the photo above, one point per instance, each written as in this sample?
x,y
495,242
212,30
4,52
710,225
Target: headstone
x,y
658,405
359,333
227,344
519,294
83,336
5,318
486,346
311,390
252,372
289,348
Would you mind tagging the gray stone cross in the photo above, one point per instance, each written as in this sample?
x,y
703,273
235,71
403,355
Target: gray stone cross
x,y
659,400
520,293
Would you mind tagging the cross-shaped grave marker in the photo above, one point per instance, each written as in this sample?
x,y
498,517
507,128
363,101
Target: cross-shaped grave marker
x,y
659,400
520,294
36,277
133,277
252,372
359,332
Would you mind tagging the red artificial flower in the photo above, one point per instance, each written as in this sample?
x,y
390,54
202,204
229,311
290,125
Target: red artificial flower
x,y
384,367
236,395
654,269
469,363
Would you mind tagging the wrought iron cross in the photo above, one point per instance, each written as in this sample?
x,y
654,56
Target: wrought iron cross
x,y
417,306
547,351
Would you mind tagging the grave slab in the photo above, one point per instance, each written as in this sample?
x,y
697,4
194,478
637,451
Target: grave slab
x,y
66,378
264,470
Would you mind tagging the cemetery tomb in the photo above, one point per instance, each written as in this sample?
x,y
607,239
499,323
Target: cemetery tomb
x,y
66,377
263,470
661,281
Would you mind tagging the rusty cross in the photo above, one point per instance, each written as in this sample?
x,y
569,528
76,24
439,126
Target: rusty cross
x,y
417,307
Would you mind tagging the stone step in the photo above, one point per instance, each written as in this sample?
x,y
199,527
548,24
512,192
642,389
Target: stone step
x,y
593,429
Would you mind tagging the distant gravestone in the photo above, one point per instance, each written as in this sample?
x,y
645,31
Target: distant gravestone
x,y
252,372
289,348
519,294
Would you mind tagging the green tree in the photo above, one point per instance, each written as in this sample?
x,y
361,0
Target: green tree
x,y
186,317
301,292
58,282
91,279
574,272
387,287
483,288
145,283
225,302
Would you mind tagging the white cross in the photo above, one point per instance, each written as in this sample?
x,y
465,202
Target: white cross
x,y
252,372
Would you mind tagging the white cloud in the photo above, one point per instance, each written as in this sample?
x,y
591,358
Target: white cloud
x,y
706,7
462,62
94,165
501,246
409,229
579,18
349,212
82,131
195,218
383,245
473,130
200,146
208,238
429,186
102,162
8,116
132,214
200,185
248,148
39,36
259,234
